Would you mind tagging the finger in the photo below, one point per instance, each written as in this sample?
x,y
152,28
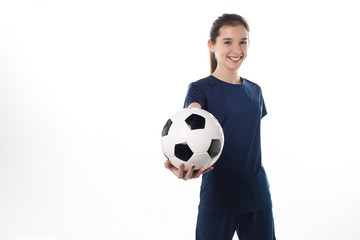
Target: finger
x,y
167,164
170,166
198,173
180,173
189,172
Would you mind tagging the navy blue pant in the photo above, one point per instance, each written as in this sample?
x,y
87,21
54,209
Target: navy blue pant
x,y
249,226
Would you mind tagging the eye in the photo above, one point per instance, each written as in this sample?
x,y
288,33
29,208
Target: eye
x,y
227,42
243,42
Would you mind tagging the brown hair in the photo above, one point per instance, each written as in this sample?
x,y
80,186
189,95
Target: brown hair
x,y
225,19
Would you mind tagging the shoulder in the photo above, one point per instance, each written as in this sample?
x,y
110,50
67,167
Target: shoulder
x,y
203,81
252,85
206,84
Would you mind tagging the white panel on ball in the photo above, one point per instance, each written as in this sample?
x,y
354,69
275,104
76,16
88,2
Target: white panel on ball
x,y
199,140
167,145
176,162
179,130
199,160
215,129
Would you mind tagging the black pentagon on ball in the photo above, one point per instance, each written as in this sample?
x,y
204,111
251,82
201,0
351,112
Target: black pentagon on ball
x,y
195,121
166,128
214,148
183,151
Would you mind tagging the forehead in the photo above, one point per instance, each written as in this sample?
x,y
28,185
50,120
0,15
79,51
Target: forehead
x,y
238,31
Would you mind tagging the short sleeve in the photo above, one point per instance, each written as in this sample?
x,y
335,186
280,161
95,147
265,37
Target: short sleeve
x,y
195,94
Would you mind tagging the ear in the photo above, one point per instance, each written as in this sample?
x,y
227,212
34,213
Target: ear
x,y
211,46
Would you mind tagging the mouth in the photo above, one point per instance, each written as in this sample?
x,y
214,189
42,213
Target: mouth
x,y
235,59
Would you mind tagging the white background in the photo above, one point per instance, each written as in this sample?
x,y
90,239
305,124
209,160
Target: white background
x,y
86,87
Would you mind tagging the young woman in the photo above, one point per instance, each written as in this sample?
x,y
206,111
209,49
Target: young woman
x,y
234,193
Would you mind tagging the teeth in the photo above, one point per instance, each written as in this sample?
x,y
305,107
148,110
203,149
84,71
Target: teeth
x,y
235,59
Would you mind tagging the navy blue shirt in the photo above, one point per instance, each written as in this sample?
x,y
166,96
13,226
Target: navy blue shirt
x,y
238,182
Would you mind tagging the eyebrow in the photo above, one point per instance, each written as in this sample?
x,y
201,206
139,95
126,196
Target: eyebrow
x,y
227,39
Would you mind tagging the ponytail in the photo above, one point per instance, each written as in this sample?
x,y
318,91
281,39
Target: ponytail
x,y
213,62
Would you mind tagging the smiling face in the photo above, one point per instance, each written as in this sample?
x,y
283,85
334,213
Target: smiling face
x,y
230,47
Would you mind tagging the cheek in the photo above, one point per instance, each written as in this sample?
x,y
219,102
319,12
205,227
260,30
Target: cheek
x,y
244,49
218,56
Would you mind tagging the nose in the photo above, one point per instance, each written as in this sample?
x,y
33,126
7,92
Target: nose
x,y
236,49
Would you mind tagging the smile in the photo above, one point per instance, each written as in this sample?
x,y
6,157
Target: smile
x,y
235,59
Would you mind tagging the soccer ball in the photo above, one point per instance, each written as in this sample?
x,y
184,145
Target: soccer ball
x,y
192,136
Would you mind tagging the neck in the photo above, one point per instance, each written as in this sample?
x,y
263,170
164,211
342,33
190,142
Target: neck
x,y
227,76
